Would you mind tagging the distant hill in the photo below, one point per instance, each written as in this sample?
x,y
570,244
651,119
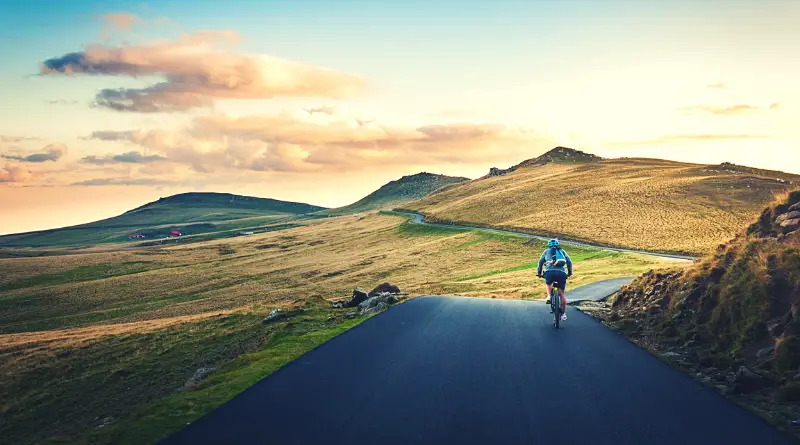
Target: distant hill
x,y
558,155
399,192
648,204
188,213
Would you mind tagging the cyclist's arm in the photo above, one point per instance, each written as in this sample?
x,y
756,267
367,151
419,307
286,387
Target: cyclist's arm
x,y
541,263
569,263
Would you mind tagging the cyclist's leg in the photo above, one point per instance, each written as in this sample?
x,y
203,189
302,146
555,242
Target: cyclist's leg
x,y
548,285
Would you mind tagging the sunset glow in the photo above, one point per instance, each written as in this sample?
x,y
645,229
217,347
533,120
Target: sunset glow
x,y
107,105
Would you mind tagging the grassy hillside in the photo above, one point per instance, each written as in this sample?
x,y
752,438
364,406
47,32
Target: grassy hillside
x,y
735,308
645,204
106,338
399,192
190,213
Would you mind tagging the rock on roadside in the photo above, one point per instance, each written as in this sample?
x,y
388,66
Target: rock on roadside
x,y
195,379
384,288
275,315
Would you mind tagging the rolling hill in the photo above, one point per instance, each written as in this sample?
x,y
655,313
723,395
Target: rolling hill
x,y
189,213
399,192
647,204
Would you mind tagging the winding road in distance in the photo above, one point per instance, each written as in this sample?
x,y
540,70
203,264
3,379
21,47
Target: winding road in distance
x,y
417,218
453,370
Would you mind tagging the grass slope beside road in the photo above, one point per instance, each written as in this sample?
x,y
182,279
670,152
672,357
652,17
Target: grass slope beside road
x,y
100,358
642,204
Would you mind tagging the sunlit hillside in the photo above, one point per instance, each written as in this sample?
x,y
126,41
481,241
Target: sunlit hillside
x,y
637,203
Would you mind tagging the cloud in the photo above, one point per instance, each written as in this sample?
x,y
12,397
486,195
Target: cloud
x,y
122,21
731,109
62,102
131,157
12,139
52,152
311,141
718,86
120,181
196,70
15,173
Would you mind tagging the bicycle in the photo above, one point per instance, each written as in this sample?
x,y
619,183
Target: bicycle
x,y
555,304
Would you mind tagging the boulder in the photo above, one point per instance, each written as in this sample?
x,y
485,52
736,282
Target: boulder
x,y
368,303
384,288
791,224
275,315
351,315
765,352
373,309
359,295
747,381
198,375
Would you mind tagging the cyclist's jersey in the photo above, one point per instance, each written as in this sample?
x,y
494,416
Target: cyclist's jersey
x,y
554,258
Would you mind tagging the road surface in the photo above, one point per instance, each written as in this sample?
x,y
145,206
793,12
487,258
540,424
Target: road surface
x,y
417,218
450,370
596,291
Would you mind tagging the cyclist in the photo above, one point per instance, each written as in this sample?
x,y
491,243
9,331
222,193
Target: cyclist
x,y
557,268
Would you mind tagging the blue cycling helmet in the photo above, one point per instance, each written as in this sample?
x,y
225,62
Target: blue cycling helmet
x,y
552,243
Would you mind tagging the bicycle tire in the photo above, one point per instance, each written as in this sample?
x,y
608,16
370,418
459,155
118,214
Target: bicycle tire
x,y
556,299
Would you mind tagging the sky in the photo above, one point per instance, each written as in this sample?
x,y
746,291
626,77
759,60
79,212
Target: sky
x,y
107,105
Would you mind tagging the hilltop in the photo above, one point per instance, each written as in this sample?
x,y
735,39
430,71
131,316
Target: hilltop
x,y
188,213
558,155
402,191
647,204
730,319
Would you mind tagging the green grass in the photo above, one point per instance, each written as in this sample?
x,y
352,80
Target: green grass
x,y
134,378
411,229
79,274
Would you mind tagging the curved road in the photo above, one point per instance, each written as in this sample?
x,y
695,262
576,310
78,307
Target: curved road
x,y
450,370
417,218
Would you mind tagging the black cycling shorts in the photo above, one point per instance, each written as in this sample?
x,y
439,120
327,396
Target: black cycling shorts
x,y
556,276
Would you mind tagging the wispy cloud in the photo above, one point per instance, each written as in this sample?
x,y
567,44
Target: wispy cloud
x,y
52,152
121,181
309,140
122,21
729,110
14,139
62,102
15,173
718,85
197,69
131,157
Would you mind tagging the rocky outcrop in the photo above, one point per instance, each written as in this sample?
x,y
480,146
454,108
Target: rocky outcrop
x,y
780,220
273,316
384,288
732,319
380,297
359,295
194,380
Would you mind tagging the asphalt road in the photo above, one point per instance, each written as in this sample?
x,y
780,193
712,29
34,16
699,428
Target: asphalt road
x,y
596,291
417,218
450,370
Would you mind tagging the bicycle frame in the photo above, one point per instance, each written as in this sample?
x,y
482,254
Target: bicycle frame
x,y
555,304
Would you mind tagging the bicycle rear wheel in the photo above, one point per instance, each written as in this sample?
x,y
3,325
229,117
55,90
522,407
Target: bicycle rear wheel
x,y
556,301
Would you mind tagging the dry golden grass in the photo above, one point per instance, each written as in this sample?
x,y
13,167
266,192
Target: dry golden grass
x,y
326,258
635,203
